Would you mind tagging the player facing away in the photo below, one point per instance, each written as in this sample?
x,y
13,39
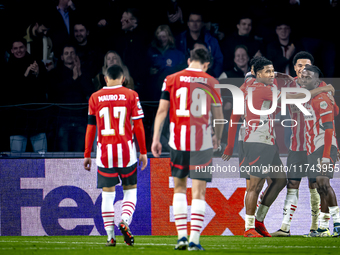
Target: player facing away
x,y
261,150
297,155
184,93
111,109
322,149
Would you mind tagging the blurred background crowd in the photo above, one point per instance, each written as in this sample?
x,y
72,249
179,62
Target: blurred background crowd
x,y
54,53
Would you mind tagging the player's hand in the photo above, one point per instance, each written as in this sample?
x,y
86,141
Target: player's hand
x,y
329,88
216,143
226,157
156,149
331,98
143,158
87,164
338,156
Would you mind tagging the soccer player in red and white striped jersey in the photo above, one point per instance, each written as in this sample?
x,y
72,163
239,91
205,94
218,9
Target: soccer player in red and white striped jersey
x,y
297,156
322,148
190,96
112,109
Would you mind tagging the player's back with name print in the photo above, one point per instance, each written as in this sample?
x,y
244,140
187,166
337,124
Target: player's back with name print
x,y
114,108
191,94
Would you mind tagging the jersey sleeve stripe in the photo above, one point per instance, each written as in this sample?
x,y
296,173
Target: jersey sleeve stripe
x,y
137,117
325,113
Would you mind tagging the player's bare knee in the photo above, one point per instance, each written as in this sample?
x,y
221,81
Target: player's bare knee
x,y
293,184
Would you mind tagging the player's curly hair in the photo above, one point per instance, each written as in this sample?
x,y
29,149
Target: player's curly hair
x,y
254,59
261,63
303,55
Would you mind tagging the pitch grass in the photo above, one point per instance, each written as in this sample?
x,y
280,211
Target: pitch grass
x,y
77,245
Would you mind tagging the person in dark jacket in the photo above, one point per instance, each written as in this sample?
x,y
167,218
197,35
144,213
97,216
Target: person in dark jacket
x,y
195,33
69,84
24,77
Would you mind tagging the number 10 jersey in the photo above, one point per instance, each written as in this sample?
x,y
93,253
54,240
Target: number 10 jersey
x,y
191,94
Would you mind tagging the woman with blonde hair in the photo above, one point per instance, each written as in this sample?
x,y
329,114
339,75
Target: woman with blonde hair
x,y
112,58
163,59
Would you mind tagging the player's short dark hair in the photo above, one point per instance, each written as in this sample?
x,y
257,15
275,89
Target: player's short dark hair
x,y
201,55
254,59
18,39
303,55
261,63
114,72
316,70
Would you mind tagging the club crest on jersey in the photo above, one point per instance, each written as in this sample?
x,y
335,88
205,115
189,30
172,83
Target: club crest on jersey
x,y
323,105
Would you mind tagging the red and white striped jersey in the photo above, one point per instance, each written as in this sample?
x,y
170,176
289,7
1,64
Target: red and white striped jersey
x,y
114,107
297,138
248,82
191,94
320,107
260,128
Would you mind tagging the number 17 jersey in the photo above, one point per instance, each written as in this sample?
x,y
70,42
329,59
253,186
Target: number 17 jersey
x,y
113,108
191,94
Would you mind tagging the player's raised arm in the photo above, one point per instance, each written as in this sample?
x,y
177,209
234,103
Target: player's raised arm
x,y
163,108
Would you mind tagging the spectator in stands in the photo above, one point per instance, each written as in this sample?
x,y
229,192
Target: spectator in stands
x,y
39,45
112,58
24,79
282,49
163,59
241,63
62,17
242,36
131,44
186,40
68,84
88,53
175,17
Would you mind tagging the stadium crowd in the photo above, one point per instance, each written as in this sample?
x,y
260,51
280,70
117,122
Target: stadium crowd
x,y
54,54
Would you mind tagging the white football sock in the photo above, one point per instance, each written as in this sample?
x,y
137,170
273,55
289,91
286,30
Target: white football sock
x,y
334,212
249,221
180,209
197,218
289,208
129,204
108,213
259,202
244,199
324,220
262,212
315,208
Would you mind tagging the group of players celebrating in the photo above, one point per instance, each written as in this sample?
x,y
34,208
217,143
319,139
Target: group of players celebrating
x,y
313,149
191,106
